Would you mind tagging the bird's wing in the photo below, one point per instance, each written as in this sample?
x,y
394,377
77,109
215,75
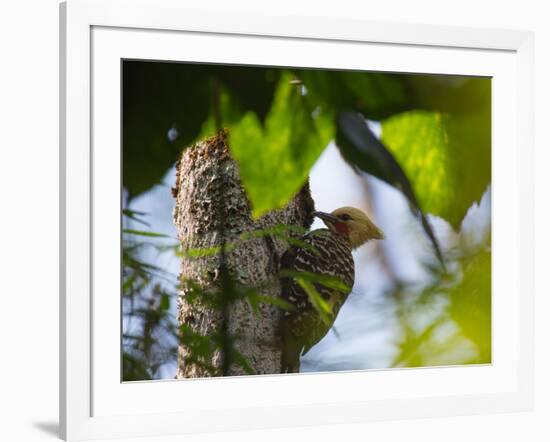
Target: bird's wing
x,y
326,256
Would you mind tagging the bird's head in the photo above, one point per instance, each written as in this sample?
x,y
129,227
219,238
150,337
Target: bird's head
x,y
351,223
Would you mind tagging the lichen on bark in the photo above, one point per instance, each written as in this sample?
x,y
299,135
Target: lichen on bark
x,y
210,198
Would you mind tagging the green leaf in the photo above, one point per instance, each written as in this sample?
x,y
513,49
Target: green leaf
x,y
135,216
207,251
471,303
374,94
134,369
445,156
274,159
230,113
256,299
433,335
251,87
164,301
145,233
322,306
360,147
279,230
241,360
329,281
455,94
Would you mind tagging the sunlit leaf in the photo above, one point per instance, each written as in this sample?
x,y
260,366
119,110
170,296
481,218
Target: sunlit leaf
x,y
471,303
365,152
449,169
275,158
230,113
201,252
412,351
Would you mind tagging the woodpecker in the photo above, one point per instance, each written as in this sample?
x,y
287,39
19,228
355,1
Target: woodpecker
x,y
324,252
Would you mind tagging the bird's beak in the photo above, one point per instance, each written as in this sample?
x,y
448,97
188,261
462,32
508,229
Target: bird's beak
x,y
378,233
326,217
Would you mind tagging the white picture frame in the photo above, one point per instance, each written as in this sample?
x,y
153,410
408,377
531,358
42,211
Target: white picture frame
x,y
95,35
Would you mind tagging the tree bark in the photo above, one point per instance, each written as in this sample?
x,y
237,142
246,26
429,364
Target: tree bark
x,y
211,202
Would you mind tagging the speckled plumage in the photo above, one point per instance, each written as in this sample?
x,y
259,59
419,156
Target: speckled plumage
x,y
329,254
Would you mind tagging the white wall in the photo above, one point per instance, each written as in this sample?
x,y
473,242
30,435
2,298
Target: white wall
x,y
28,220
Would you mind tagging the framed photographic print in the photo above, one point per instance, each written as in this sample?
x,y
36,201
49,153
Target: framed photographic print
x,y
284,221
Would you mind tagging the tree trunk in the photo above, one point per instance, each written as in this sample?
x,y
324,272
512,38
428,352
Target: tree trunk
x,y
212,209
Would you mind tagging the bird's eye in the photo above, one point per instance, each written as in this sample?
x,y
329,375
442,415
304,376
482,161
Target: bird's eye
x,y
345,217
